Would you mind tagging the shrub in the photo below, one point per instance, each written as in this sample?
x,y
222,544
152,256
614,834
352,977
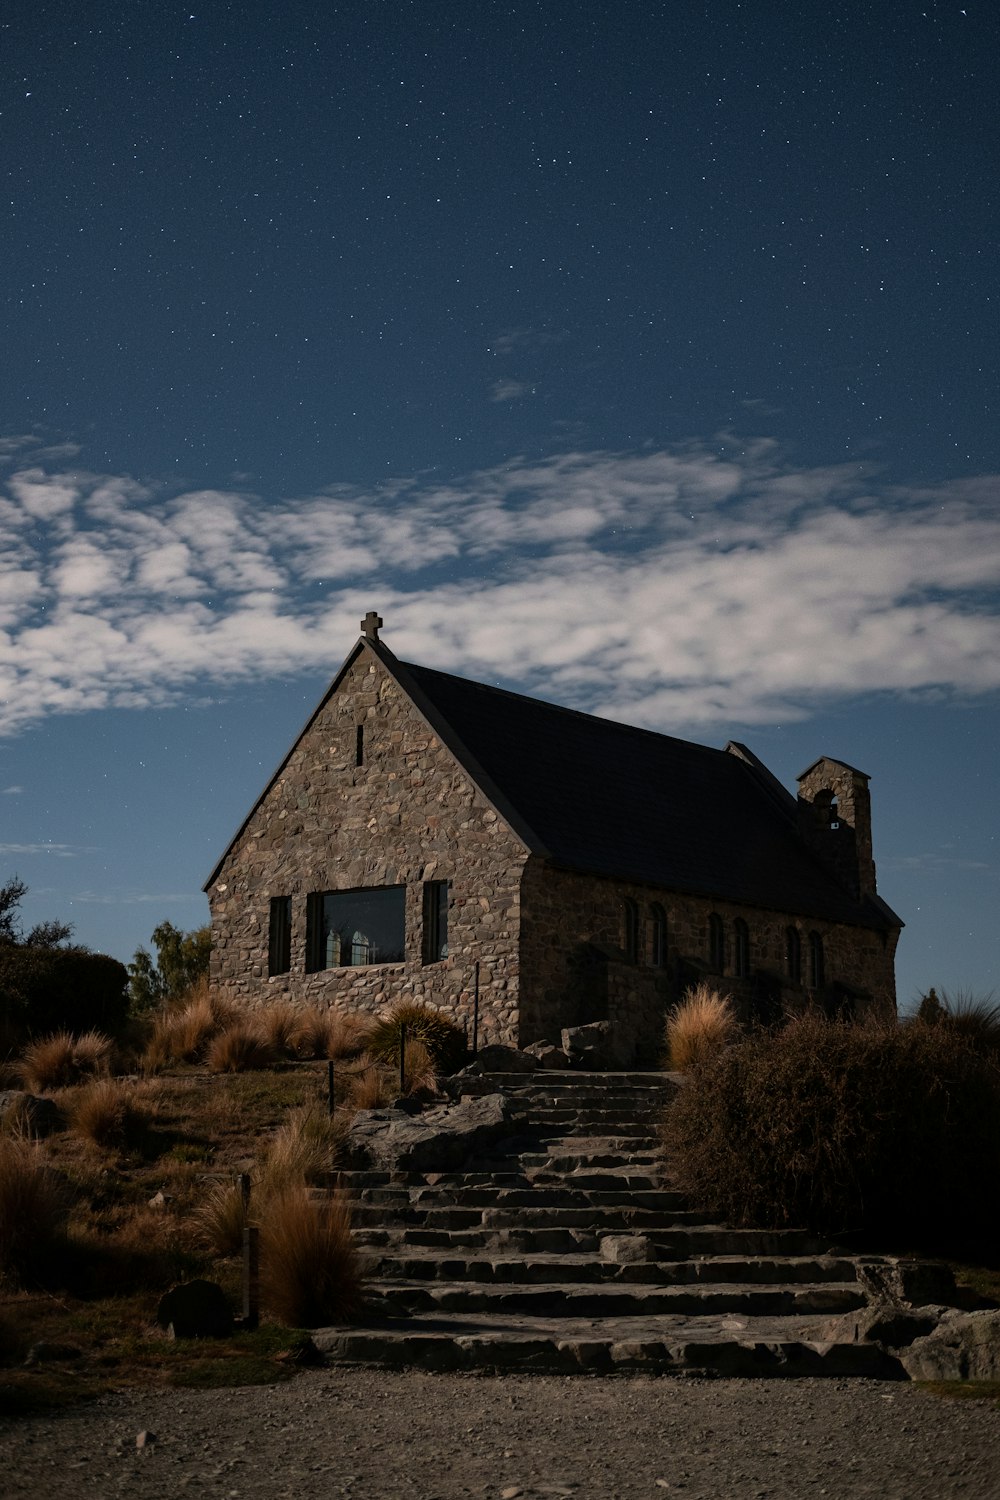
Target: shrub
x,y
699,1027
108,1112
443,1039
45,989
832,1127
33,1207
330,1033
239,1049
370,1086
975,1018
61,1059
310,1269
300,1151
279,1024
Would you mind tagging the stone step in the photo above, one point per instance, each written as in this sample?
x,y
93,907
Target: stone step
x,y
573,1300
436,1215
758,1347
680,1244
562,1193
406,1265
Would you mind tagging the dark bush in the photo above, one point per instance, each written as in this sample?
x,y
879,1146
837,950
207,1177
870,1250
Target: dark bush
x,y
51,989
839,1128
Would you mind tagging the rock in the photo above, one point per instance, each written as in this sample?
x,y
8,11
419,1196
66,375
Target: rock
x,y
886,1323
195,1310
589,1046
145,1439
548,1055
440,1140
34,1115
964,1346
44,1351
160,1201
627,1249
498,1059
916,1283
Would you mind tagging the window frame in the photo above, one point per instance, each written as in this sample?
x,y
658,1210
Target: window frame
x,y
434,935
657,920
793,954
632,931
279,936
320,930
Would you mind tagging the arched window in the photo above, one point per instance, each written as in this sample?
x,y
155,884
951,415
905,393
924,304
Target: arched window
x,y
716,943
741,948
816,974
657,936
631,944
793,955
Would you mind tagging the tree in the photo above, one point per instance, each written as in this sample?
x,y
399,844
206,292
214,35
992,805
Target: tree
x,y
42,935
181,960
45,985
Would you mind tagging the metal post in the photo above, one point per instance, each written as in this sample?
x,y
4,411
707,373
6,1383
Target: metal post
x,y
329,1086
243,1183
402,1058
251,1277
475,1013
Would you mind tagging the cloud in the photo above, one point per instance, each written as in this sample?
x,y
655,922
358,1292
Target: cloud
x,y
509,390
12,791
704,584
62,851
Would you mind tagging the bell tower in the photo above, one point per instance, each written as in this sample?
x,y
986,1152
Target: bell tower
x,y
835,819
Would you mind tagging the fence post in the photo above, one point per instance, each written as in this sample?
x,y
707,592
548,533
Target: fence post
x,y
251,1277
402,1058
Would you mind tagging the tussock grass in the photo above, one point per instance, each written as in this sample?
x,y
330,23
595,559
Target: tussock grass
x,y
330,1034
300,1151
61,1059
241,1048
370,1085
440,1035
33,1208
182,1033
110,1112
310,1269
221,1217
699,1028
278,1025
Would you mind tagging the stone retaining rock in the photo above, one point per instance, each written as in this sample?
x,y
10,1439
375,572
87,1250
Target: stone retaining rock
x,y
964,1346
439,1140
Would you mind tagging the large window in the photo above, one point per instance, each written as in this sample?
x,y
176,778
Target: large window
x,y
346,929
279,936
435,945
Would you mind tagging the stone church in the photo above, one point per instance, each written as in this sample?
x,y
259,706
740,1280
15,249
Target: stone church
x,y
433,838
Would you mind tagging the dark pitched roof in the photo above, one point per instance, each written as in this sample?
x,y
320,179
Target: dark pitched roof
x,y
594,795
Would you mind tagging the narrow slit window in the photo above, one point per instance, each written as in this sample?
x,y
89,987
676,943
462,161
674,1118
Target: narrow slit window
x,y
631,931
435,940
657,936
817,965
716,943
359,746
741,948
793,954
279,938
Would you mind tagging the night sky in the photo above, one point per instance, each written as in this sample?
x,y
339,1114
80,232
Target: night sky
x,y
643,357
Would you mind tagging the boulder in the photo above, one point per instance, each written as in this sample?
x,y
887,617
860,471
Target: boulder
x,y
548,1055
589,1046
627,1249
34,1115
441,1139
885,1323
498,1059
912,1283
195,1310
964,1346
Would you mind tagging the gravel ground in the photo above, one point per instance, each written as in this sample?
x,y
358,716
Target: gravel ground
x,y
377,1435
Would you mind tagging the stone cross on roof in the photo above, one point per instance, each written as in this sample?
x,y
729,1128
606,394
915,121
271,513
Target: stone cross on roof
x,y
370,625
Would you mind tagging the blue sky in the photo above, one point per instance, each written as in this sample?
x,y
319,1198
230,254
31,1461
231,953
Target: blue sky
x,y
646,361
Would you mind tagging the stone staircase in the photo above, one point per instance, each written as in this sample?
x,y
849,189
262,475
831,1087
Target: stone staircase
x,y
565,1250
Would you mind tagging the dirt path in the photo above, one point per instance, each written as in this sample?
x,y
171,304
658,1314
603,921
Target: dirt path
x,y
377,1436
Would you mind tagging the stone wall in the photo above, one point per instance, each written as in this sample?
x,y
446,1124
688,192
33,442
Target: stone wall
x,y
574,968
407,815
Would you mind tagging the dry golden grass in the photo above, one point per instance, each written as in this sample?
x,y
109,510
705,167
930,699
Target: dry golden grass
x,y
300,1151
110,1112
330,1034
33,1207
310,1269
420,1075
183,1033
54,1062
220,1218
370,1085
278,1024
699,1028
239,1049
